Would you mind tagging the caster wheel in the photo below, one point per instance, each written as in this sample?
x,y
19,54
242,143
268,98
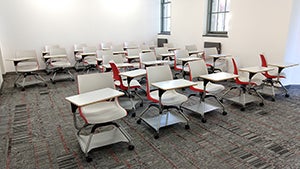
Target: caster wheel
x,y
156,136
187,126
243,109
224,113
130,147
221,100
88,159
287,95
141,105
139,121
273,100
45,85
15,85
261,104
73,80
203,120
23,89
133,115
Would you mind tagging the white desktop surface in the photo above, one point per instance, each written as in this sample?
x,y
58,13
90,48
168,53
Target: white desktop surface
x,y
187,59
283,65
256,69
173,84
133,73
20,59
154,62
54,56
120,65
219,55
94,96
219,76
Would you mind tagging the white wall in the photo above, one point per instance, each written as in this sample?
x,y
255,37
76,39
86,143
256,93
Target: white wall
x,y
255,26
31,24
292,54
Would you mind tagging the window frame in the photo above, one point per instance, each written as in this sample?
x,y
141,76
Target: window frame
x,y
209,31
163,17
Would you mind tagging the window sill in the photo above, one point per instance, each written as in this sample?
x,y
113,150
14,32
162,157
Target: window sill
x,y
216,35
164,33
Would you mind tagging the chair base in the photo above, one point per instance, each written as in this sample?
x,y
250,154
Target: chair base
x,y
101,139
162,120
201,108
95,140
272,88
62,70
23,84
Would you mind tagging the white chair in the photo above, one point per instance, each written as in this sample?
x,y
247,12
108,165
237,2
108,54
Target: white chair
x,y
118,49
193,50
145,57
133,56
26,64
100,115
131,45
105,46
170,99
181,53
78,48
89,58
45,52
59,63
100,54
219,64
198,68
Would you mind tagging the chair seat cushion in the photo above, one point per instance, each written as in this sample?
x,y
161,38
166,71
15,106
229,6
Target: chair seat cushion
x,y
133,83
186,68
60,64
103,112
170,97
27,67
210,87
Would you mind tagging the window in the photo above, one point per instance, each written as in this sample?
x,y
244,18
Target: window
x,y
165,17
218,17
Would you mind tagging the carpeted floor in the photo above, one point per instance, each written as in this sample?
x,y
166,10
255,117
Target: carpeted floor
x,y
37,131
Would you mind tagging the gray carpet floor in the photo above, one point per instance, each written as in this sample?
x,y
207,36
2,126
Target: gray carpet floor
x,y
37,131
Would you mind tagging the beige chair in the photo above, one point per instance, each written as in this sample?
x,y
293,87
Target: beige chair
x,y
170,99
89,58
182,53
46,52
100,115
59,63
26,64
78,48
198,68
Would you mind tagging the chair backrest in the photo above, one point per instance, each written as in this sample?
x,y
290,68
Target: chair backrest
x,y
181,53
168,45
158,74
160,50
134,52
144,47
94,81
59,51
116,58
148,56
30,63
191,47
89,49
79,46
116,48
105,45
131,45
209,51
197,68
48,47
263,60
101,53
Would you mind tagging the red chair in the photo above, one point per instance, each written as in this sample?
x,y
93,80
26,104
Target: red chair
x,y
272,79
123,85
